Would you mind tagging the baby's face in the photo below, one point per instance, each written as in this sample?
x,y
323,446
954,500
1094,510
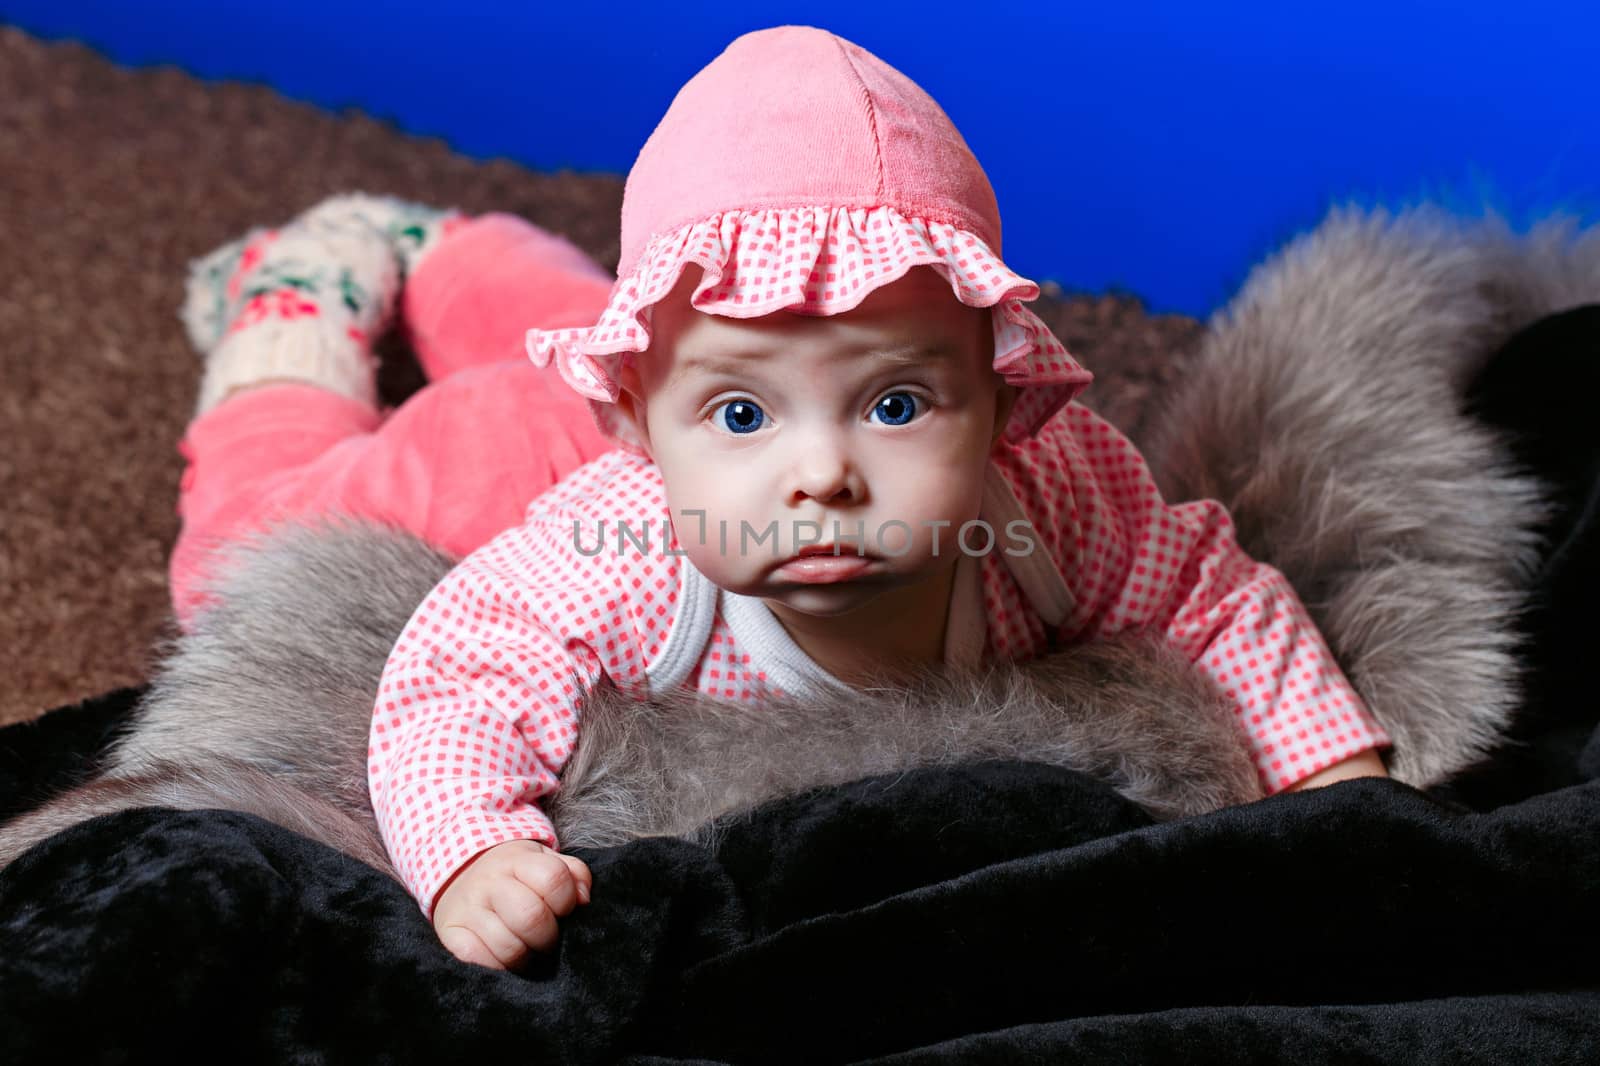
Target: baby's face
x,y
789,429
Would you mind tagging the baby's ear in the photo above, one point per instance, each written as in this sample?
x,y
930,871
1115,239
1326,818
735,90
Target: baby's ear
x,y
630,422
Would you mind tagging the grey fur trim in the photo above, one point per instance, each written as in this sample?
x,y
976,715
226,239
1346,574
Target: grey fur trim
x,y
266,707
1130,711
1325,411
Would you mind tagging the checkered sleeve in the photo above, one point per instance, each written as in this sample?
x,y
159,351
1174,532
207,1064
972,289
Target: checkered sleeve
x,y
477,708
1138,561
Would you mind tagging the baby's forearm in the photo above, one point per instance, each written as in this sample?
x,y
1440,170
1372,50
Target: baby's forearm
x,y
1366,764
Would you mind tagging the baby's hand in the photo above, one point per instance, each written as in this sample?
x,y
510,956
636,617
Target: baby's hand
x,y
506,901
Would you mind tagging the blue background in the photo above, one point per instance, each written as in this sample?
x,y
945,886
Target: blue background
x,y
1144,147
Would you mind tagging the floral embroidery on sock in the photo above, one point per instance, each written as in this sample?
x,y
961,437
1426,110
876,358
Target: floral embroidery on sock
x,y
248,258
417,234
284,303
355,297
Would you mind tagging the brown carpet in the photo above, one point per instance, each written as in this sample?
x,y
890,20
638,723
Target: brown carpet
x,y
110,181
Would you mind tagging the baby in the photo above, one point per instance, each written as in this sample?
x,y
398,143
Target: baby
x,y
838,446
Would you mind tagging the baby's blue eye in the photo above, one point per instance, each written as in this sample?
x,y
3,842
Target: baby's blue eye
x,y
898,408
741,416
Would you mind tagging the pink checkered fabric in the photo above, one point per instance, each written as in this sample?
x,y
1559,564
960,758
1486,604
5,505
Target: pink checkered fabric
x,y
800,172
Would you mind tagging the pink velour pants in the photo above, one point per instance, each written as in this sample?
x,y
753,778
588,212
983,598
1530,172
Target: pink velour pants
x,y
458,461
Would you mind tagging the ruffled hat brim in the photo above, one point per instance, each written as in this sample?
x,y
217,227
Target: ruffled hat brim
x,y
814,260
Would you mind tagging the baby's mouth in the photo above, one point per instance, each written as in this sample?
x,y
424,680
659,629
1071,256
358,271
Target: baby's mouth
x,y
824,568
839,548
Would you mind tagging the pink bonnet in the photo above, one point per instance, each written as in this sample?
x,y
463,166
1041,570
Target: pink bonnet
x,y
800,172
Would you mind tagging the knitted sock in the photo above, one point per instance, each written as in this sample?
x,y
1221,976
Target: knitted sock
x,y
307,301
413,229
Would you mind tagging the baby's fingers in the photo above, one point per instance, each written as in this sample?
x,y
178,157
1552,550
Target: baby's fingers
x,y
529,916
551,875
484,942
581,876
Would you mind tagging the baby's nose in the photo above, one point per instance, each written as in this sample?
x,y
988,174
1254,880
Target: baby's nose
x,y
825,472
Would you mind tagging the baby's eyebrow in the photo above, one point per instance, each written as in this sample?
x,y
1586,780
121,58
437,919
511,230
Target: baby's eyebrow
x,y
707,364
915,354
904,355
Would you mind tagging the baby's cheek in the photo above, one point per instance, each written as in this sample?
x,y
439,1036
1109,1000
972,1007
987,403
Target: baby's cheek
x,y
709,537
721,561
923,502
